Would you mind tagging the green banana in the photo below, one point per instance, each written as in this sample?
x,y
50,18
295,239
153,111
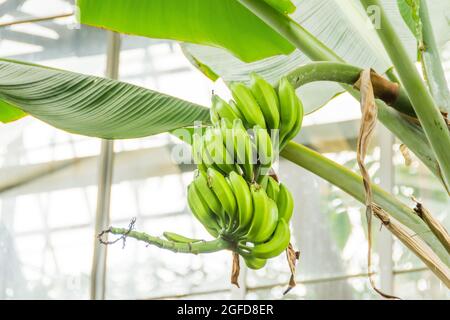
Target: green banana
x,y
217,150
215,118
253,262
297,126
247,104
243,149
267,99
212,156
269,223
223,109
236,110
226,128
265,216
172,236
277,243
285,203
273,189
264,149
207,195
244,201
289,106
223,191
202,212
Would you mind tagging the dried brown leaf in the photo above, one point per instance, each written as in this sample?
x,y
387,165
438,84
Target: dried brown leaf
x,y
292,258
436,227
235,270
368,122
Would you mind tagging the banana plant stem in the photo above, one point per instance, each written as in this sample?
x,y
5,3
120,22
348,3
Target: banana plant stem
x,y
431,61
401,127
352,184
427,111
346,74
193,248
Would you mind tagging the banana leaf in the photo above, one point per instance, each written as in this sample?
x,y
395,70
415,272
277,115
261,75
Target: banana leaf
x,y
219,23
89,105
342,25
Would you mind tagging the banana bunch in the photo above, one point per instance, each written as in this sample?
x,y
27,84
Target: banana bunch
x,y
229,147
232,193
254,218
280,113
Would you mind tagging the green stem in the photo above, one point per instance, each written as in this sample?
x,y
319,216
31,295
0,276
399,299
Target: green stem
x,y
352,184
428,113
343,73
193,248
348,74
317,51
432,63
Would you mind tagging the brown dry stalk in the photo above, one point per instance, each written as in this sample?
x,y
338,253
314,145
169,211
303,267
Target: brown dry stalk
x,y
292,258
415,244
368,122
382,88
436,227
406,155
235,270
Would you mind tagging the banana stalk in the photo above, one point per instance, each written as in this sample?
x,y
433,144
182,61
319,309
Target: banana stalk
x,y
400,126
218,244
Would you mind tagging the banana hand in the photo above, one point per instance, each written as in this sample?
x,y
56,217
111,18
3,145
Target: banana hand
x,y
267,99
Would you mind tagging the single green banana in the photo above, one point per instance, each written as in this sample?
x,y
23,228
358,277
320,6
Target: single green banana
x,y
267,99
297,126
285,203
243,149
217,150
215,118
223,109
277,243
262,214
254,263
236,110
273,189
264,149
223,191
268,224
244,201
206,194
201,148
202,212
247,104
288,107
220,216
175,237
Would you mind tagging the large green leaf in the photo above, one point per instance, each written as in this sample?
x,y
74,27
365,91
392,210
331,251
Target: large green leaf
x,y
91,105
221,23
9,113
342,25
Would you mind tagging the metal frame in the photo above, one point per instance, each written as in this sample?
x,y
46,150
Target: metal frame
x,y
98,273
